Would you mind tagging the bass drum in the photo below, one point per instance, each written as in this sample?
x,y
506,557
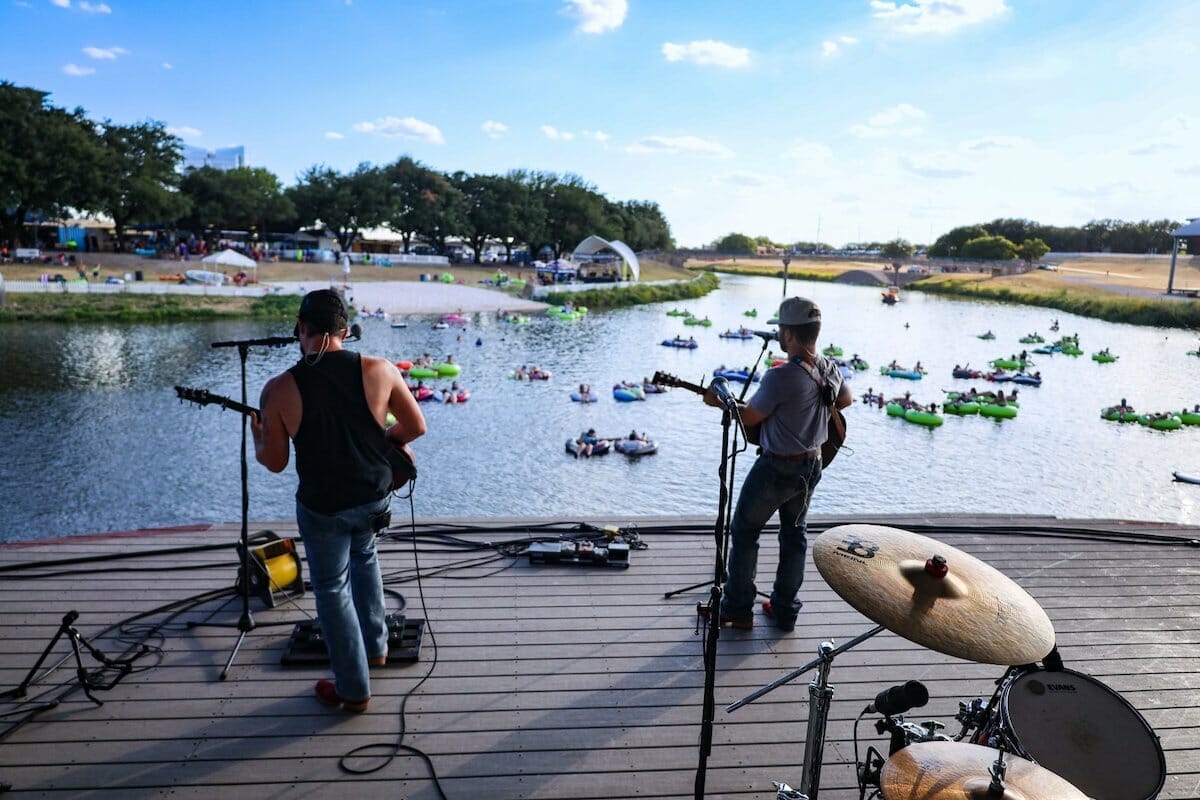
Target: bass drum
x,y
1080,729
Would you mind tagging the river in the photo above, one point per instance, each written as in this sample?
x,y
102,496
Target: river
x,y
94,439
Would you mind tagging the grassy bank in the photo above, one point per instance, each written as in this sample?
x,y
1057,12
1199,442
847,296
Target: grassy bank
x,y
60,307
638,295
771,270
1086,302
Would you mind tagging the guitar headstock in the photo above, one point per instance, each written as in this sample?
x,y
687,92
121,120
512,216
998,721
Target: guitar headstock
x,y
200,397
665,379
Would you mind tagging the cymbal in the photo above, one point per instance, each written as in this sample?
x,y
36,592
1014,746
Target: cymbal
x,y
972,611
959,771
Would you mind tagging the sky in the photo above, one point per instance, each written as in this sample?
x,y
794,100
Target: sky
x,y
837,120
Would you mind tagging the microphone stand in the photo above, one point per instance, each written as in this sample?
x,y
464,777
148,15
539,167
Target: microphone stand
x,y
713,632
245,623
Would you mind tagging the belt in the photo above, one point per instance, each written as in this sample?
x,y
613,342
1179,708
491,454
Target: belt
x,y
809,456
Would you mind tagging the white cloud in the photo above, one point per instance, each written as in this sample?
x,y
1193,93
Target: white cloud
x,y
599,136
941,167
597,16
167,65
937,16
105,53
676,145
406,128
555,134
77,71
802,150
334,135
985,143
708,51
831,47
98,8
1190,172
493,129
891,122
184,131
747,180
1151,148
61,3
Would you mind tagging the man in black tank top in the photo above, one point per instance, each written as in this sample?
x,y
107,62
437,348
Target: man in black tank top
x,y
332,406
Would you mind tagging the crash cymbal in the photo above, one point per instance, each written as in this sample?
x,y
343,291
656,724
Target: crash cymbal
x,y
959,771
959,605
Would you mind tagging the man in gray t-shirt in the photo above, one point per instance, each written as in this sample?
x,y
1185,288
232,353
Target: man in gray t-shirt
x,y
791,408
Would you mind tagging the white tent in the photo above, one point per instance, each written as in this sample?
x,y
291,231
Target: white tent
x,y
232,258
594,244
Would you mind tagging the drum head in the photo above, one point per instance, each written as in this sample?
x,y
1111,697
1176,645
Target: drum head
x,y
1085,732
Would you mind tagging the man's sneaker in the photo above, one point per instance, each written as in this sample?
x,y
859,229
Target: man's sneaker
x,y
786,625
726,621
328,695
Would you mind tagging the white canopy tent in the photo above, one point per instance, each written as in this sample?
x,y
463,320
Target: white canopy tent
x,y
1188,231
594,244
232,258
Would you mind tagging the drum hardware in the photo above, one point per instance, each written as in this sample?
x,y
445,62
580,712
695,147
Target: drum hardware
x,y
960,771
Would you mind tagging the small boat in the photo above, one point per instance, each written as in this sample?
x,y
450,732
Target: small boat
x,y
891,296
441,326
204,276
635,447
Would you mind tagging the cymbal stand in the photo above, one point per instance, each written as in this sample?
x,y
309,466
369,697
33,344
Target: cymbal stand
x,y
820,694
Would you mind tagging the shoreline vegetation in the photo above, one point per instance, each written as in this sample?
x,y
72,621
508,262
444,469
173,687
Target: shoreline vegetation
x,y
1113,289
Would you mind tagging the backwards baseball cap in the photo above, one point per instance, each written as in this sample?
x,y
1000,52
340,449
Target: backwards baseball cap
x,y
796,311
323,310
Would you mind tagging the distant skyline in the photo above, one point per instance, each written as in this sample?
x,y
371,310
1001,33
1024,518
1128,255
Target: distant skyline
x,y
852,120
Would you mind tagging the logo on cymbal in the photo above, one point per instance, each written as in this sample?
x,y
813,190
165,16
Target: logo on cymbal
x,y
859,548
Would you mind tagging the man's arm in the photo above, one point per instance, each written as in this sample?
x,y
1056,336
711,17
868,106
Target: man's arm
x,y
386,382
276,421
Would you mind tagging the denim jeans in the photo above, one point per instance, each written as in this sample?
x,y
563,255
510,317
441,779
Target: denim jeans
x,y
340,549
772,484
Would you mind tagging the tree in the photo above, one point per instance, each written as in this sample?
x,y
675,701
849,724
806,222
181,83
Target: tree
x,y
492,203
736,244
50,159
645,227
896,249
951,244
420,202
345,204
245,198
140,176
989,248
575,211
1032,250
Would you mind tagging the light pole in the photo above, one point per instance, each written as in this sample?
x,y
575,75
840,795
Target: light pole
x,y
786,260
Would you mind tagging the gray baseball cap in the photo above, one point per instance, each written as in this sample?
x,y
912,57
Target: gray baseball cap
x,y
796,311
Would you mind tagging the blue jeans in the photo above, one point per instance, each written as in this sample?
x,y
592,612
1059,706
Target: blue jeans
x,y
772,485
340,549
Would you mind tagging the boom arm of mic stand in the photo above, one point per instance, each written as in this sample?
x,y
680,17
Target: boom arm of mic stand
x,y
816,662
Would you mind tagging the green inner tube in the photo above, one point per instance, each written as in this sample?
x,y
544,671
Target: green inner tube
x,y
998,412
1190,417
447,369
1162,424
1111,415
422,372
832,351
1104,358
962,408
895,410
923,418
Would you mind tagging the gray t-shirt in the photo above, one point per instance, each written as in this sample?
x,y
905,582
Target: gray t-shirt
x,y
796,420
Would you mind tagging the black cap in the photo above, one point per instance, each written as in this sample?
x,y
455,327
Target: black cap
x,y
323,311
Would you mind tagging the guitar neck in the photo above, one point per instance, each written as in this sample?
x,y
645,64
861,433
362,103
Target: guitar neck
x,y
667,379
203,397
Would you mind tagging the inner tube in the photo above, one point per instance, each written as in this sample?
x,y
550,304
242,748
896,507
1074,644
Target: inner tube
x,y
706,322
967,373
635,447
986,336
735,375
961,408
1034,339
832,350
598,449
578,398
404,366
423,393
735,335
1190,417
925,418
997,412
683,343
895,410
675,312
422,372
1104,358
907,374
1047,350
447,369
1026,380
1162,423
626,394
858,363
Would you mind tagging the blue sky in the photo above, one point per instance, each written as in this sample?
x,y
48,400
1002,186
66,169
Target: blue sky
x,y
857,119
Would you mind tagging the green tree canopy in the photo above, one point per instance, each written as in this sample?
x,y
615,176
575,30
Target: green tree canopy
x,y
896,249
141,182
245,198
345,204
1032,250
50,160
736,244
951,244
989,248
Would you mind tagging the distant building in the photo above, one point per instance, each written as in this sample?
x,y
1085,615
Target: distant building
x,y
222,158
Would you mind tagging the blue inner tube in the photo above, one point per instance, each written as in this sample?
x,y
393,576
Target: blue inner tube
x,y
578,398
684,343
734,375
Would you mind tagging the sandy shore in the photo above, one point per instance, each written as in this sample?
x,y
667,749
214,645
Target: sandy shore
x,y
407,297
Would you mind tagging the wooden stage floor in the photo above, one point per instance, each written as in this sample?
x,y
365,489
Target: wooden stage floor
x,y
540,681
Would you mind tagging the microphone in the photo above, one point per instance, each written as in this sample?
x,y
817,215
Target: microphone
x,y
766,336
720,387
899,699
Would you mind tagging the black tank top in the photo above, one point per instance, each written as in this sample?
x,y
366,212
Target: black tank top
x,y
340,449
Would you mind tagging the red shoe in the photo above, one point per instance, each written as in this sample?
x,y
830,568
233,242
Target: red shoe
x,y
726,621
328,695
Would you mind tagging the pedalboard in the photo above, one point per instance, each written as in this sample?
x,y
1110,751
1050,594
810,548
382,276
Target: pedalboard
x,y
307,645
580,554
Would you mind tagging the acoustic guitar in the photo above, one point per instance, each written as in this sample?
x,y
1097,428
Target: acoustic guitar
x,y
837,421
399,456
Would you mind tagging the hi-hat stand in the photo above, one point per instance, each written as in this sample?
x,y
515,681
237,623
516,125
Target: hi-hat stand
x,y
245,623
820,694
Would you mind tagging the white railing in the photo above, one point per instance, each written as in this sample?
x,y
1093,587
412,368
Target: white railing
x,y
141,287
